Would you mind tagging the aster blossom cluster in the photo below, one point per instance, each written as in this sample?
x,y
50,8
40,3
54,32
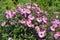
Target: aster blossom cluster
x,y
33,17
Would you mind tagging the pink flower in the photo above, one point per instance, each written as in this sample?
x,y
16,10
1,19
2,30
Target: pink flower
x,y
55,25
39,20
56,13
20,8
56,21
8,14
52,28
28,21
56,16
31,17
22,21
12,23
41,34
35,5
30,25
14,12
28,5
57,35
28,11
33,8
44,19
3,24
37,28
24,10
39,10
10,38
